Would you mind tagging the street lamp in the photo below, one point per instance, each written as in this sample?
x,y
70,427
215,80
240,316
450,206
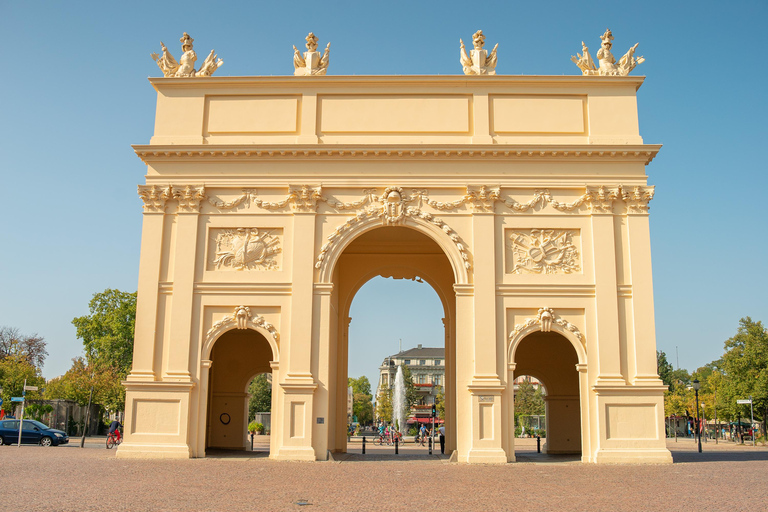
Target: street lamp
x,y
696,386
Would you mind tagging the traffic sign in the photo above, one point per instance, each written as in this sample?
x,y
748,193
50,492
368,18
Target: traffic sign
x,y
30,388
17,399
744,402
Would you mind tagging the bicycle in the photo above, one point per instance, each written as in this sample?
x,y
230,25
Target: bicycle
x,y
113,439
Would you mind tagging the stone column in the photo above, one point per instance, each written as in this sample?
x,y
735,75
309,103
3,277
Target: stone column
x,y
606,298
149,275
185,255
198,441
644,370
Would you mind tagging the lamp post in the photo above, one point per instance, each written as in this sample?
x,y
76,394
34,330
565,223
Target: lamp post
x,y
696,386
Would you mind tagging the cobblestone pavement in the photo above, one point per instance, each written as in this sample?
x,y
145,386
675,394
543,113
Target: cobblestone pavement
x,y
67,478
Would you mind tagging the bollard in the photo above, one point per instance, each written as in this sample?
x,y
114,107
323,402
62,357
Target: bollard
x,y
251,441
396,446
363,445
538,443
430,445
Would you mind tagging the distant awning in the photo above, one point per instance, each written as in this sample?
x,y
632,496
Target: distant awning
x,y
428,420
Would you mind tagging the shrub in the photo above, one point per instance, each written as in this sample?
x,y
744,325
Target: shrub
x,y
255,426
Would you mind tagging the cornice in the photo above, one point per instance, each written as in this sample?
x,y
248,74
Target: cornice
x,y
644,153
314,83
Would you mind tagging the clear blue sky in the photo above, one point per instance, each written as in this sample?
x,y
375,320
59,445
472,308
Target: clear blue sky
x,y
75,96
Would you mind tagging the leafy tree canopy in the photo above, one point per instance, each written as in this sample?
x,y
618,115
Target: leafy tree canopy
x,y
261,395
107,333
31,347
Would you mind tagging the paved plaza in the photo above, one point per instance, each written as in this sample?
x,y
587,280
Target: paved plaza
x,y
67,478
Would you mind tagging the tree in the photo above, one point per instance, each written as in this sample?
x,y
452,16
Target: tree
x,y
411,394
261,395
107,333
30,347
529,399
440,402
663,367
384,405
745,365
14,370
362,406
76,385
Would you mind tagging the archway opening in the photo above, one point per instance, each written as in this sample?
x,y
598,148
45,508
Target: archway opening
x,y
551,359
238,356
423,284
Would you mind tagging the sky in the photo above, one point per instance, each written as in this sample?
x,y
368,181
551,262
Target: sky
x,y
74,96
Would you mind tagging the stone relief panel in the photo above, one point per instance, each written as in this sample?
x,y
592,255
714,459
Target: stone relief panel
x,y
245,249
543,251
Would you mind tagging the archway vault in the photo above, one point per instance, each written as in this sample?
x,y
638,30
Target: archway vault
x,y
390,251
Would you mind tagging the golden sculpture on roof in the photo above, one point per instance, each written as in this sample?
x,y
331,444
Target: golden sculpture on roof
x,y
607,62
185,67
478,62
311,63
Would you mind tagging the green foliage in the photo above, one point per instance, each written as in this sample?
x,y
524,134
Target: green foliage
x,y
255,426
107,333
261,395
76,385
360,385
362,405
37,411
411,394
14,370
440,402
384,405
529,400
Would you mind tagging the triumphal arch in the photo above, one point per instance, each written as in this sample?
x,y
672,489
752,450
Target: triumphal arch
x,y
269,201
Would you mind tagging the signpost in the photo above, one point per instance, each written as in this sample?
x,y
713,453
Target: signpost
x,y
752,417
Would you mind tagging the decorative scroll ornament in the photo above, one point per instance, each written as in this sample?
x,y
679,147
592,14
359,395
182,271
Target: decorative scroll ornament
x,y
545,318
189,197
311,63
246,249
186,66
392,208
478,62
608,65
549,251
241,318
305,199
154,197
637,200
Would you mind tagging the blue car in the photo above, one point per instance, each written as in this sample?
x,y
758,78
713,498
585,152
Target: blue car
x,y
32,432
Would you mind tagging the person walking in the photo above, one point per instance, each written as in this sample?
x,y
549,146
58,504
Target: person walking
x,y
442,439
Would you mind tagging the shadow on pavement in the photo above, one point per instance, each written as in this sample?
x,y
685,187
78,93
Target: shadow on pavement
x,y
235,454
545,458
722,456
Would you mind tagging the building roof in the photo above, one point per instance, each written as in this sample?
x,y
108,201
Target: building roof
x,y
419,353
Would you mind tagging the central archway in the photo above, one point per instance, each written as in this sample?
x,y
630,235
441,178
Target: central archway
x,y
403,252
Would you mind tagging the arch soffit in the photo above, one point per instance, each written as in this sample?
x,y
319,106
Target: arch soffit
x,y
547,321
242,318
442,234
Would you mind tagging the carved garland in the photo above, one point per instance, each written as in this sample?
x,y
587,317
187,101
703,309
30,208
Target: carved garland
x,y
240,319
545,318
305,199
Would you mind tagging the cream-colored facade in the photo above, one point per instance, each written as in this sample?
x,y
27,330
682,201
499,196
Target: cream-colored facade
x,y
269,201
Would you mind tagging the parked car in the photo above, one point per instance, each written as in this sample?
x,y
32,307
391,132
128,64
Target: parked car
x,y
32,432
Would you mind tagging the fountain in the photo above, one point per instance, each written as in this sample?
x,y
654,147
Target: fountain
x,y
398,401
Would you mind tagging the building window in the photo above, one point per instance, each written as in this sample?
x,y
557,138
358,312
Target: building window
x,y
422,362
407,361
437,380
438,362
421,379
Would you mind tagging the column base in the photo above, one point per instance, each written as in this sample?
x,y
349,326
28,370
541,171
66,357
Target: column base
x,y
305,453
492,456
657,456
129,450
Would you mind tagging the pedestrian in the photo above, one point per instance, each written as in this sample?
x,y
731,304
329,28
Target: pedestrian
x,y
442,439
